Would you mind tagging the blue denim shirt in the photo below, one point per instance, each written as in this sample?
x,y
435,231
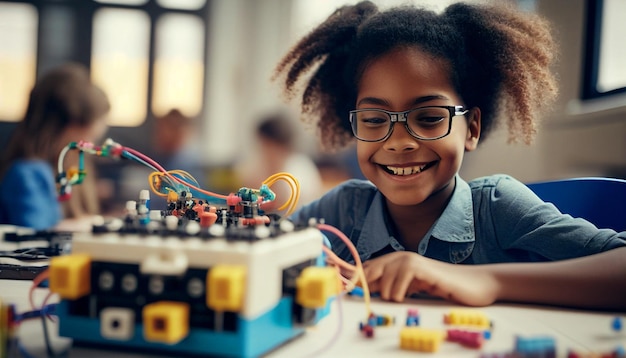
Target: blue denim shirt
x,y
28,195
488,220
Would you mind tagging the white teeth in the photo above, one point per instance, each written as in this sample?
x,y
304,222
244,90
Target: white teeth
x,y
406,170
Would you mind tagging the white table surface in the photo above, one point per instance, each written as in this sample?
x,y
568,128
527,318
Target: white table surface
x,y
583,331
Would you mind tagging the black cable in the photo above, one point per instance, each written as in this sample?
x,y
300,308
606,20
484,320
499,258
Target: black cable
x,y
30,254
46,336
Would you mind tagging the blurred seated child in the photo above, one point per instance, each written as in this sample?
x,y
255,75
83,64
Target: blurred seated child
x,y
173,147
276,152
172,144
64,106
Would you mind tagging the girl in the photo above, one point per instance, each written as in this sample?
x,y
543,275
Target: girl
x,y
418,90
64,106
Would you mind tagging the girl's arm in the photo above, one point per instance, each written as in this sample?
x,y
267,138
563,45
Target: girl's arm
x,y
595,281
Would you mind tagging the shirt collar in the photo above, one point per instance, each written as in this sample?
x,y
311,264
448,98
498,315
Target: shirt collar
x,y
374,236
456,223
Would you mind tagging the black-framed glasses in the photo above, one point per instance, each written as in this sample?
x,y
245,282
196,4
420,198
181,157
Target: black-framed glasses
x,y
424,123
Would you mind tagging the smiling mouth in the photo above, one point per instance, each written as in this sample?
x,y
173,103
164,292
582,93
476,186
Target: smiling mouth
x,y
402,171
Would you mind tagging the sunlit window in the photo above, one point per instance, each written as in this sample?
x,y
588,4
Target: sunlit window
x,y
182,4
179,64
18,54
123,2
612,68
119,62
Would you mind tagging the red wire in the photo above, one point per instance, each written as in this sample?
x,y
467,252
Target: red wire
x,y
166,173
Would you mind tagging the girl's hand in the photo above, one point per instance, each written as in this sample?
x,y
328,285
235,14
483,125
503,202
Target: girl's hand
x,y
402,273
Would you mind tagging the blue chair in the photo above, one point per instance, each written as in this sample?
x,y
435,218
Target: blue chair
x,y
601,201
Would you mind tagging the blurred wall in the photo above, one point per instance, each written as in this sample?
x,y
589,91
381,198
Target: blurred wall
x,y
248,37
578,138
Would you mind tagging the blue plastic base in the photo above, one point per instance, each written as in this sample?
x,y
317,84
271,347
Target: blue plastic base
x,y
253,337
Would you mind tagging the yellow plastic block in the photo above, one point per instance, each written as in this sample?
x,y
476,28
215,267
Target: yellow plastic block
x,y
166,321
70,275
473,318
226,287
420,339
315,286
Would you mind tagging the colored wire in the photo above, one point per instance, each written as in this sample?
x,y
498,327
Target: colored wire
x,y
23,351
129,155
46,310
167,174
170,177
45,304
62,157
337,333
292,202
46,336
359,273
156,178
36,282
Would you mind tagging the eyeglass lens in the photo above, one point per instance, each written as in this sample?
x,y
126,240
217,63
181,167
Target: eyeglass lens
x,y
425,123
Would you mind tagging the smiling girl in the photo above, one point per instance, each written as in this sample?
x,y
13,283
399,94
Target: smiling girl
x,y
417,90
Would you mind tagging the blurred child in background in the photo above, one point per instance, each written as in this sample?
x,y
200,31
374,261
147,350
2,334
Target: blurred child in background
x,y
277,152
64,106
172,144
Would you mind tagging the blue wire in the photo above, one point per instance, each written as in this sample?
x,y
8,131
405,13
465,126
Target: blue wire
x,y
327,241
46,310
23,350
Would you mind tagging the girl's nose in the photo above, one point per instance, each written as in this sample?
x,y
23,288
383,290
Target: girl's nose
x,y
400,139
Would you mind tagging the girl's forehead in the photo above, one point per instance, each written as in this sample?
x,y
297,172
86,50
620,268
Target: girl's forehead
x,y
405,70
407,59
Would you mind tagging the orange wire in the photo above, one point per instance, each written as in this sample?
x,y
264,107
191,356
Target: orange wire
x,y
36,282
45,302
360,274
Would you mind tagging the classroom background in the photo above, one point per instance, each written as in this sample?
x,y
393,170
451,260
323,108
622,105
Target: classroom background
x,y
212,61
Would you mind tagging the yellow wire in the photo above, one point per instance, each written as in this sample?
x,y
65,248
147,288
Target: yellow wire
x,y
152,183
292,202
185,176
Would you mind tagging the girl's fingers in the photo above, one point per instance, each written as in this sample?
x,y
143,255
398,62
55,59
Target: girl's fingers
x,y
374,286
401,286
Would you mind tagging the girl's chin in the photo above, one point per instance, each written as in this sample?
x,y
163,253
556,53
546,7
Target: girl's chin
x,y
403,198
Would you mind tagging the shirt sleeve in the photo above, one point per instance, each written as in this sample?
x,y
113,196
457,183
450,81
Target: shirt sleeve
x,y
29,196
524,222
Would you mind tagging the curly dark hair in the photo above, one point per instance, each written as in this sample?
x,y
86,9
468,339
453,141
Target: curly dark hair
x,y
499,57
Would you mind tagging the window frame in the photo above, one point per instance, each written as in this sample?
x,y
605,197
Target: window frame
x,y
591,53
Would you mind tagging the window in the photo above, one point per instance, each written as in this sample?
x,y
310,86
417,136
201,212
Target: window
x,y
123,2
18,55
148,55
119,62
179,64
182,4
604,72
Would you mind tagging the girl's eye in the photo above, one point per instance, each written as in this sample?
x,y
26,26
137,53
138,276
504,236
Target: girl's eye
x,y
428,117
373,118
430,120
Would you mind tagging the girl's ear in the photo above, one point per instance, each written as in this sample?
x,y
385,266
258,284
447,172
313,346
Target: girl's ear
x,y
473,129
